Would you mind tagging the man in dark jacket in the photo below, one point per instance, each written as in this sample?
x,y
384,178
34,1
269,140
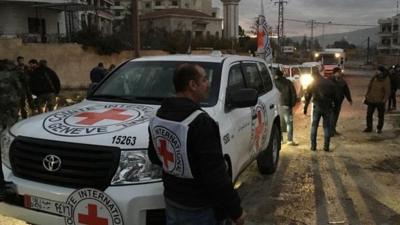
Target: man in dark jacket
x,y
288,101
27,95
393,75
45,84
322,93
98,73
342,91
185,141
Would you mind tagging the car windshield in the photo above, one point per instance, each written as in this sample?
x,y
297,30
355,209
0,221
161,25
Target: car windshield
x,y
329,59
151,82
306,69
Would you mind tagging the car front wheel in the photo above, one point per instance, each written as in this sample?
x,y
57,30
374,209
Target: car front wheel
x,y
267,160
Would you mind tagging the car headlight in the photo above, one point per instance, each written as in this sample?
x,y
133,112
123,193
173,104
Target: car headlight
x,y
135,167
5,141
306,80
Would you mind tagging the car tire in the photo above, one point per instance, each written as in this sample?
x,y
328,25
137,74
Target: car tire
x,y
267,160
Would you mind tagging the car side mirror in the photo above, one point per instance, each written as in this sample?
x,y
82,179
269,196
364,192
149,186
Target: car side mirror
x,y
91,88
242,98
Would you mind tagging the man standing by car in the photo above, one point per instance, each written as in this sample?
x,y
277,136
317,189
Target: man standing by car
x,y
288,101
185,141
322,93
342,91
11,92
45,84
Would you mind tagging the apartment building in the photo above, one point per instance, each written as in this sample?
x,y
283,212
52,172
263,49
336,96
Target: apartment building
x,y
389,36
52,20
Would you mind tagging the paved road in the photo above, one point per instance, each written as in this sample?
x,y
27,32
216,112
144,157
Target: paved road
x,y
357,183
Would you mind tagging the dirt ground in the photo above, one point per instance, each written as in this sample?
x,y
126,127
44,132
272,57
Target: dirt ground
x,y
357,183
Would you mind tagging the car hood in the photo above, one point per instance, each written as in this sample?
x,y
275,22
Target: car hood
x,y
93,123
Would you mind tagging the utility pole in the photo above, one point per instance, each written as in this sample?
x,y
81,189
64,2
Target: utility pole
x,y
281,37
368,51
135,28
312,35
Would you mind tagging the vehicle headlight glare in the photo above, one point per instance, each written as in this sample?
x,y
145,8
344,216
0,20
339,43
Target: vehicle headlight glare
x,y
5,140
135,167
306,80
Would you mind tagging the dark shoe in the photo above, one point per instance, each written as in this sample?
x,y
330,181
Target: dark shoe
x,y
292,143
326,149
379,131
2,192
313,148
367,130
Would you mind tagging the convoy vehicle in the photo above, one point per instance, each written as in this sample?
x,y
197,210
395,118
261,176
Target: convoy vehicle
x,y
331,58
88,164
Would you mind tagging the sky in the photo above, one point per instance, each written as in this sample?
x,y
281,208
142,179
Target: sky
x,y
366,12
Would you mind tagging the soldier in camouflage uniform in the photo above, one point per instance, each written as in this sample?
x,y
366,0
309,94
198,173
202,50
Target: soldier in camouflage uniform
x,y
11,92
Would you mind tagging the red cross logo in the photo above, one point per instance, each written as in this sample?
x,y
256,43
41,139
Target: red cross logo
x,y
259,129
91,218
93,117
165,153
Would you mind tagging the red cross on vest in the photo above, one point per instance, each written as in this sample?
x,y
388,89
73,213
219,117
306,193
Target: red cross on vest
x,y
93,117
166,155
259,129
91,218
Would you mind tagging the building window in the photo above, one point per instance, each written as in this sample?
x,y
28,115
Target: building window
x,y
175,3
158,3
36,25
199,33
214,14
117,13
147,5
217,34
395,41
117,3
208,33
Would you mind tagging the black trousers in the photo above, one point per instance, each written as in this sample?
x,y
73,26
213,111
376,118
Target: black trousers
x,y
381,114
392,99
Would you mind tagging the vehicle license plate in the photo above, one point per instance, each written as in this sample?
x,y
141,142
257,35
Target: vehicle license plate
x,y
46,205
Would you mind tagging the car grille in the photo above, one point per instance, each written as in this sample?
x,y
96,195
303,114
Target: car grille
x,y
82,165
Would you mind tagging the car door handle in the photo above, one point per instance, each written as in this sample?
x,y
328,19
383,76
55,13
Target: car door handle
x,y
271,106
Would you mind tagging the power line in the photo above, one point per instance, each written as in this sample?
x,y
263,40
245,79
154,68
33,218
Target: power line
x,y
330,23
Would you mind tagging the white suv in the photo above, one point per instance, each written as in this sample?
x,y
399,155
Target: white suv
x,y
88,164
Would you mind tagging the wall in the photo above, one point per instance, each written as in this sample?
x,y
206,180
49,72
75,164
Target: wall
x,y
70,61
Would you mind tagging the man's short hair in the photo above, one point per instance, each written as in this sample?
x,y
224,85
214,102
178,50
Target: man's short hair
x,y
20,57
33,61
100,65
183,74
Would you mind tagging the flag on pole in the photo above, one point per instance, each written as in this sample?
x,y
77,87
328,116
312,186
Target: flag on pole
x,y
263,43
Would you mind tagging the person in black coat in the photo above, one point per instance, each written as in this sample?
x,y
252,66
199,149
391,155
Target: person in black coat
x,y
98,73
203,192
342,91
288,100
323,96
45,84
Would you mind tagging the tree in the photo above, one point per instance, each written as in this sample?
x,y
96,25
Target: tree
x,y
343,43
304,44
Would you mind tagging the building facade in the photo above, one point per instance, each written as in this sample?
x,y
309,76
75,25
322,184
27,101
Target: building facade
x,y
52,20
389,36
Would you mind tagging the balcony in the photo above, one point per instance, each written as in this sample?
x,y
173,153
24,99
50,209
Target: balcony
x,y
383,47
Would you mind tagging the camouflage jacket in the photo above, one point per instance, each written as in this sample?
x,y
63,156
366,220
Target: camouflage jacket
x,y
11,92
